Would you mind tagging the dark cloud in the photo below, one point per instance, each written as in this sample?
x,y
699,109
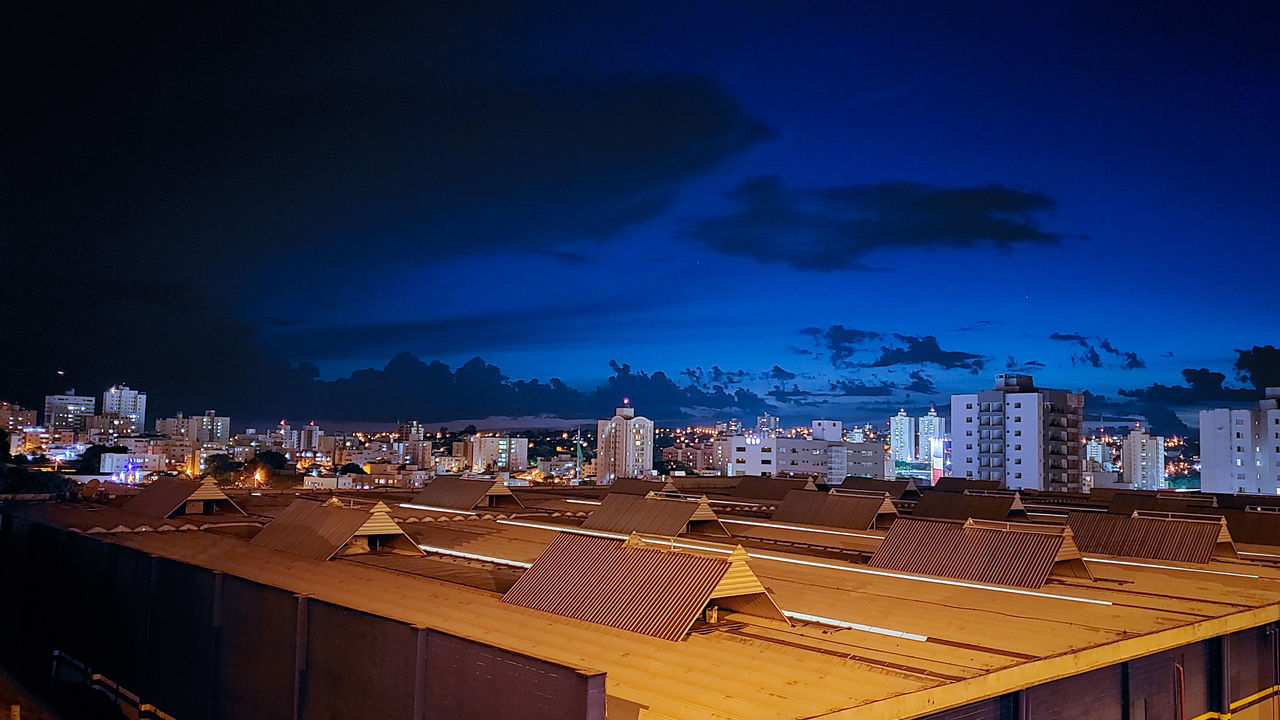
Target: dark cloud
x,y
920,383
1202,387
1259,365
1091,349
839,341
859,388
925,351
778,374
795,396
1159,418
716,377
980,325
835,228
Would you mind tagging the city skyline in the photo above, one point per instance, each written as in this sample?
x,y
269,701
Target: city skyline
x,y
820,210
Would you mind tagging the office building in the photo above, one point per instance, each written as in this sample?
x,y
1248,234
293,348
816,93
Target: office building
x,y
624,446
123,402
13,418
1240,449
68,411
1023,436
1142,460
902,437
825,455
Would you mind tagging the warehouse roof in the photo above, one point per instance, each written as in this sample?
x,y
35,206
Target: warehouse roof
x,y
168,496
897,489
654,515
981,504
1153,536
959,484
638,486
755,487
1003,553
448,492
849,509
322,530
632,586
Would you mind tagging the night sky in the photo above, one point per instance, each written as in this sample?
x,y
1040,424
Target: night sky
x,y
329,210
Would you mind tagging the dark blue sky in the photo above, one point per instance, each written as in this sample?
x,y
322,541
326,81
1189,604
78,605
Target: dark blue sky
x,y
838,208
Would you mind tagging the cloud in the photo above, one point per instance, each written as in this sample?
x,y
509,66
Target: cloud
x,y
980,325
1259,365
778,374
1202,387
920,383
925,351
715,377
1090,356
839,341
861,389
836,228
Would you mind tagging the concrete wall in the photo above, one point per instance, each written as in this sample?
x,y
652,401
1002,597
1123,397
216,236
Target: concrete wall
x,y
201,644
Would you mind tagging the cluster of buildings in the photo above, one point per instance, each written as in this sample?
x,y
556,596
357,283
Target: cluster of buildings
x,y
1240,449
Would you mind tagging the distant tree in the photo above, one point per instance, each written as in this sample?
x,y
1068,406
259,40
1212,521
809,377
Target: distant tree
x,y
469,430
91,459
351,469
222,468
272,459
20,480
284,481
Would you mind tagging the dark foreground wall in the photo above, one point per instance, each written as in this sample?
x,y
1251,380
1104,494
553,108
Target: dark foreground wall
x,y
1233,676
201,644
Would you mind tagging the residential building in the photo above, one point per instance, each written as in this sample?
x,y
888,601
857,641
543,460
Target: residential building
x,y
902,437
824,455
13,417
68,411
130,464
624,446
411,431
121,401
1142,460
1097,455
1021,435
931,427
207,428
767,425
697,457
1240,449
497,454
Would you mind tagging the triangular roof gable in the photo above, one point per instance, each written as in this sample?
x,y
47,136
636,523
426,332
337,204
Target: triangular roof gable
x,y
162,497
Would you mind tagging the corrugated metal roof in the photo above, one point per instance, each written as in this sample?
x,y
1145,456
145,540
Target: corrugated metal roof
x,y
319,530
897,489
1015,554
769,488
1181,539
959,484
985,505
457,493
650,515
639,486
1126,502
631,586
1253,527
167,496
849,510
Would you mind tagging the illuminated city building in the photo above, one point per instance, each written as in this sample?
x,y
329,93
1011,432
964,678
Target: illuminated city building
x,y
902,437
1240,449
13,417
624,445
1142,458
123,402
1023,436
931,427
68,411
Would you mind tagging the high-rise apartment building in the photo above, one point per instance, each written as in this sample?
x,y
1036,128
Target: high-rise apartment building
x,y
1025,437
125,403
1240,449
1099,454
207,428
13,417
497,454
902,437
931,427
68,411
411,431
624,445
767,425
1142,458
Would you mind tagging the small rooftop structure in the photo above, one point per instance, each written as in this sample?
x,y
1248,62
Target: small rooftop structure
x,y
167,497
979,504
755,487
838,508
1126,502
638,587
639,486
454,493
654,515
1153,535
1001,553
322,531
897,489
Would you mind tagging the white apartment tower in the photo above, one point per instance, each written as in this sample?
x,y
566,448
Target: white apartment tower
x,y
931,427
624,446
1025,437
902,437
68,411
1142,457
122,402
1240,449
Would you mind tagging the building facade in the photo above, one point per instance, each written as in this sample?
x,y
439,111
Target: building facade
x,y
1023,436
68,411
1142,459
824,455
13,417
1240,449
123,402
497,454
902,437
931,427
624,446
